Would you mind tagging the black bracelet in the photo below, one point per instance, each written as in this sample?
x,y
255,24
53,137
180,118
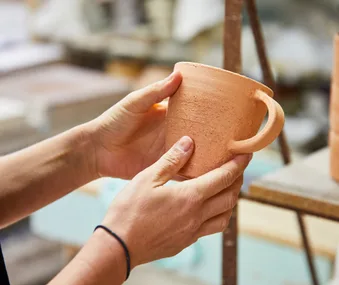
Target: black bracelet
x,y
128,259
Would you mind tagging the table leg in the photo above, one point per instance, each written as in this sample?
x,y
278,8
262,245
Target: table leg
x,y
307,248
229,262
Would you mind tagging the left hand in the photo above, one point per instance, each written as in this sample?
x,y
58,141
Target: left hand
x,y
130,136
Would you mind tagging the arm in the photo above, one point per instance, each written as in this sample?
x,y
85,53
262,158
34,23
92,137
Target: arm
x,y
41,174
154,220
188,211
120,143
101,261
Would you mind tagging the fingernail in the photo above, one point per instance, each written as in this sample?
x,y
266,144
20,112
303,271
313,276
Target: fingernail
x,y
243,158
185,143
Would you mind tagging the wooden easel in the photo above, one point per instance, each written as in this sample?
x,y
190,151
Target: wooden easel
x,y
232,62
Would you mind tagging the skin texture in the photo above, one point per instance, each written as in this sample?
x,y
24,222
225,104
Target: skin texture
x,y
130,136
154,220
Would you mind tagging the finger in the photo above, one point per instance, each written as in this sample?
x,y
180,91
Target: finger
x,y
223,201
172,161
218,179
215,225
179,178
142,100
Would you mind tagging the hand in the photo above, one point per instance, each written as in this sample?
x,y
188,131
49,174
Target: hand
x,y
158,221
130,136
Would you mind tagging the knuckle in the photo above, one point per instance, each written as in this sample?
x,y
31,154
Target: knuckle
x,y
130,98
193,225
227,178
172,157
211,183
161,171
233,200
156,87
189,197
199,197
223,224
195,198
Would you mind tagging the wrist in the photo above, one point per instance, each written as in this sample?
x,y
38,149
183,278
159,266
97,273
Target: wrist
x,y
104,158
83,148
112,254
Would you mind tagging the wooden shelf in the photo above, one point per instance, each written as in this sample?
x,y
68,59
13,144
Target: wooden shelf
x,y
304,186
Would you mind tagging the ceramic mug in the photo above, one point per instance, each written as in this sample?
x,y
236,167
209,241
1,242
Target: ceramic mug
x,y
334,154
334,108
222,112
335,74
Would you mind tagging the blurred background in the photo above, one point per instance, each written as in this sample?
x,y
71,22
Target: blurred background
x,y
64,62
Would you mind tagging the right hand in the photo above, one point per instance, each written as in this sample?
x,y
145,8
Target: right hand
x,y
158,221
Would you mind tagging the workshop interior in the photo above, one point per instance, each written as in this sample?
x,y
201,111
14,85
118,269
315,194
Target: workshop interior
x,y
63,63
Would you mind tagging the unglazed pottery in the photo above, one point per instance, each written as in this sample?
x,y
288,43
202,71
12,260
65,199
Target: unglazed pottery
x,y
334,114
335,74
334,108
334,100
222,112
334,155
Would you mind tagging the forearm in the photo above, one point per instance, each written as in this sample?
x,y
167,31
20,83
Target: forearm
x,y
100,261
40,174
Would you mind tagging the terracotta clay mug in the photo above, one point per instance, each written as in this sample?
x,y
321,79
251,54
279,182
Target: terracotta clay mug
x,y
334,108
335,74
222,112
334,154
334,114
334,100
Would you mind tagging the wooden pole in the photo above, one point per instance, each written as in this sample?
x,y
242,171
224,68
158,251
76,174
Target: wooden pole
x,y
232,35
266,69
232,62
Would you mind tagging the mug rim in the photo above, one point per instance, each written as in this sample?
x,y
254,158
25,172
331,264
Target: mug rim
x,y
263,86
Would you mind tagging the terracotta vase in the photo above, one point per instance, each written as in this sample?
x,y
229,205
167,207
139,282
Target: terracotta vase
x,y
222,112
334,157
334,114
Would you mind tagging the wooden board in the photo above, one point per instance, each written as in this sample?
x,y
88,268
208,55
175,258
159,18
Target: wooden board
x,y
305,186
280,226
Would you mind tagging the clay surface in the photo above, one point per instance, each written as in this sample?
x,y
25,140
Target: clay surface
x,y
334,155
334,114
222,112
334,100
335,74
334,108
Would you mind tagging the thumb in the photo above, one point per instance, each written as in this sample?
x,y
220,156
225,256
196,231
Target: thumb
x,y
172,161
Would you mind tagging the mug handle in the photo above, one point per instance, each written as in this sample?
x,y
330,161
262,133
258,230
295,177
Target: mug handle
x,y
268,134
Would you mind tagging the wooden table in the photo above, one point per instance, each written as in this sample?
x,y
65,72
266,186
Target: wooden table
x,y
305,187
